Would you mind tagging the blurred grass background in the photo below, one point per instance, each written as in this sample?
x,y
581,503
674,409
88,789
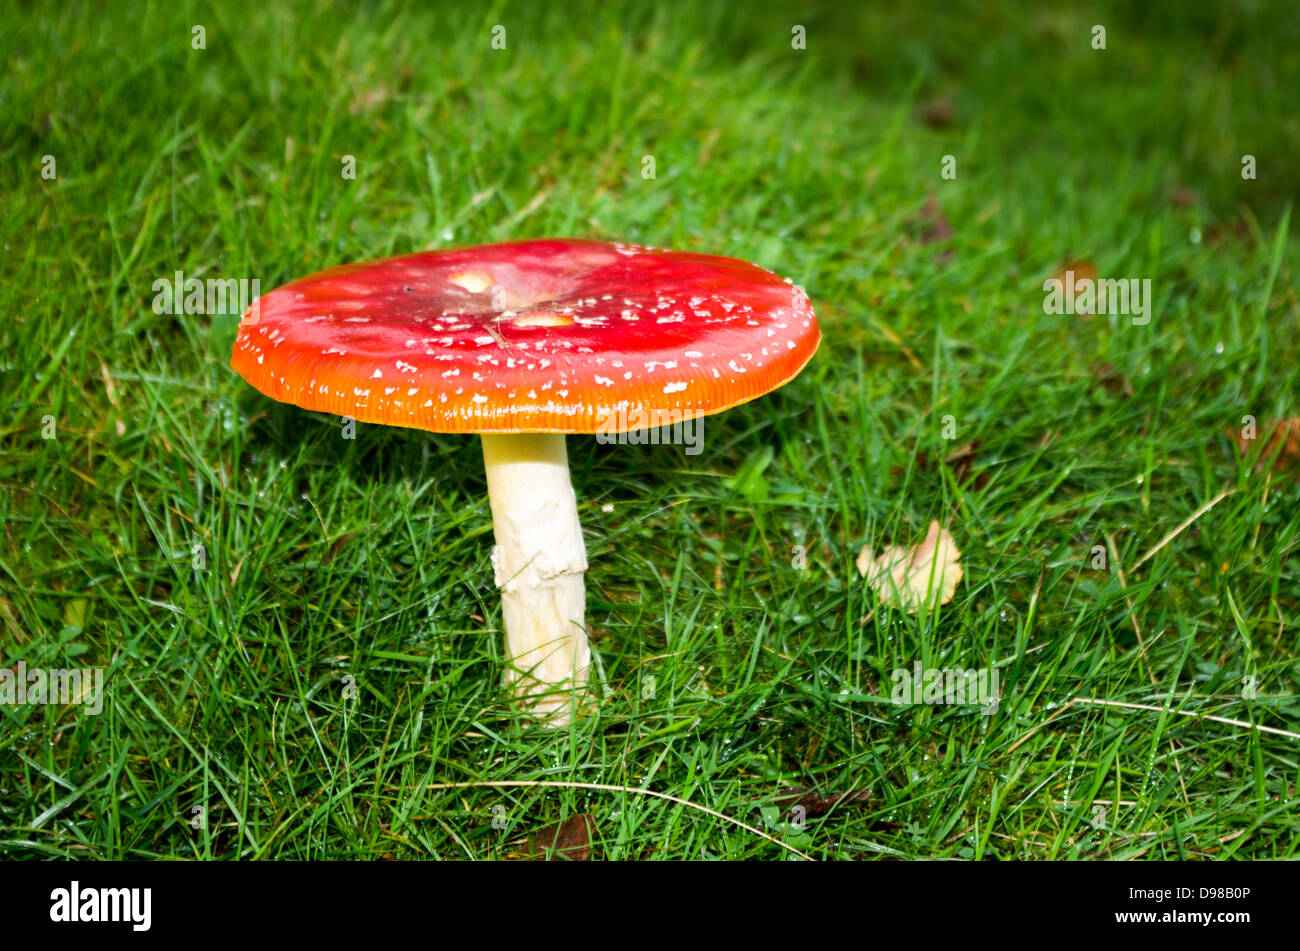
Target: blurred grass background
x,y
326,558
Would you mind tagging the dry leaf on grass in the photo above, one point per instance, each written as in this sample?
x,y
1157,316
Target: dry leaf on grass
x,y
935,224
921,577
936,228
961,461
569,840
939,113
1280,452
815,804
1070,274
1110,379
1219,231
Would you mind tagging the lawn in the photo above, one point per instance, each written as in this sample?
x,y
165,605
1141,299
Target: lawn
x,y
301,633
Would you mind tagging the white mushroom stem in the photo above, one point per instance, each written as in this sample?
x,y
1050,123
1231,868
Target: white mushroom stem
x,y
539,560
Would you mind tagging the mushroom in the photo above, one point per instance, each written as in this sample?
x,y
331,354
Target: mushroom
x,y
522,343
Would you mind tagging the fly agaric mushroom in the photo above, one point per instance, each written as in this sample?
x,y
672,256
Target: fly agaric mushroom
x,y
522,343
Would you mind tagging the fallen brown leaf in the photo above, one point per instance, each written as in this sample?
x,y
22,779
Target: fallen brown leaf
x,y
1280,452
1219,231
1082,270
1110,379
337,546
936,228
815,804
936,225
939,113
566,841
921,577
961,461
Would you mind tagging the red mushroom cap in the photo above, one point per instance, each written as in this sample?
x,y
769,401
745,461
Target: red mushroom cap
x,y
562,336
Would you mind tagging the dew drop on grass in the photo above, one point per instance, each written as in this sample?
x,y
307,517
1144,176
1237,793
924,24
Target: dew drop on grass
x,y
1218,347
1194,236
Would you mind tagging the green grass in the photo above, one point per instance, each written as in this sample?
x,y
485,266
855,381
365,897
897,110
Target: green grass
x,y
327,558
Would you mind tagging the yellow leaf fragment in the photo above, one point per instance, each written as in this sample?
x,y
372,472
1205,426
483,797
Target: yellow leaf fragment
x,y
914,578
